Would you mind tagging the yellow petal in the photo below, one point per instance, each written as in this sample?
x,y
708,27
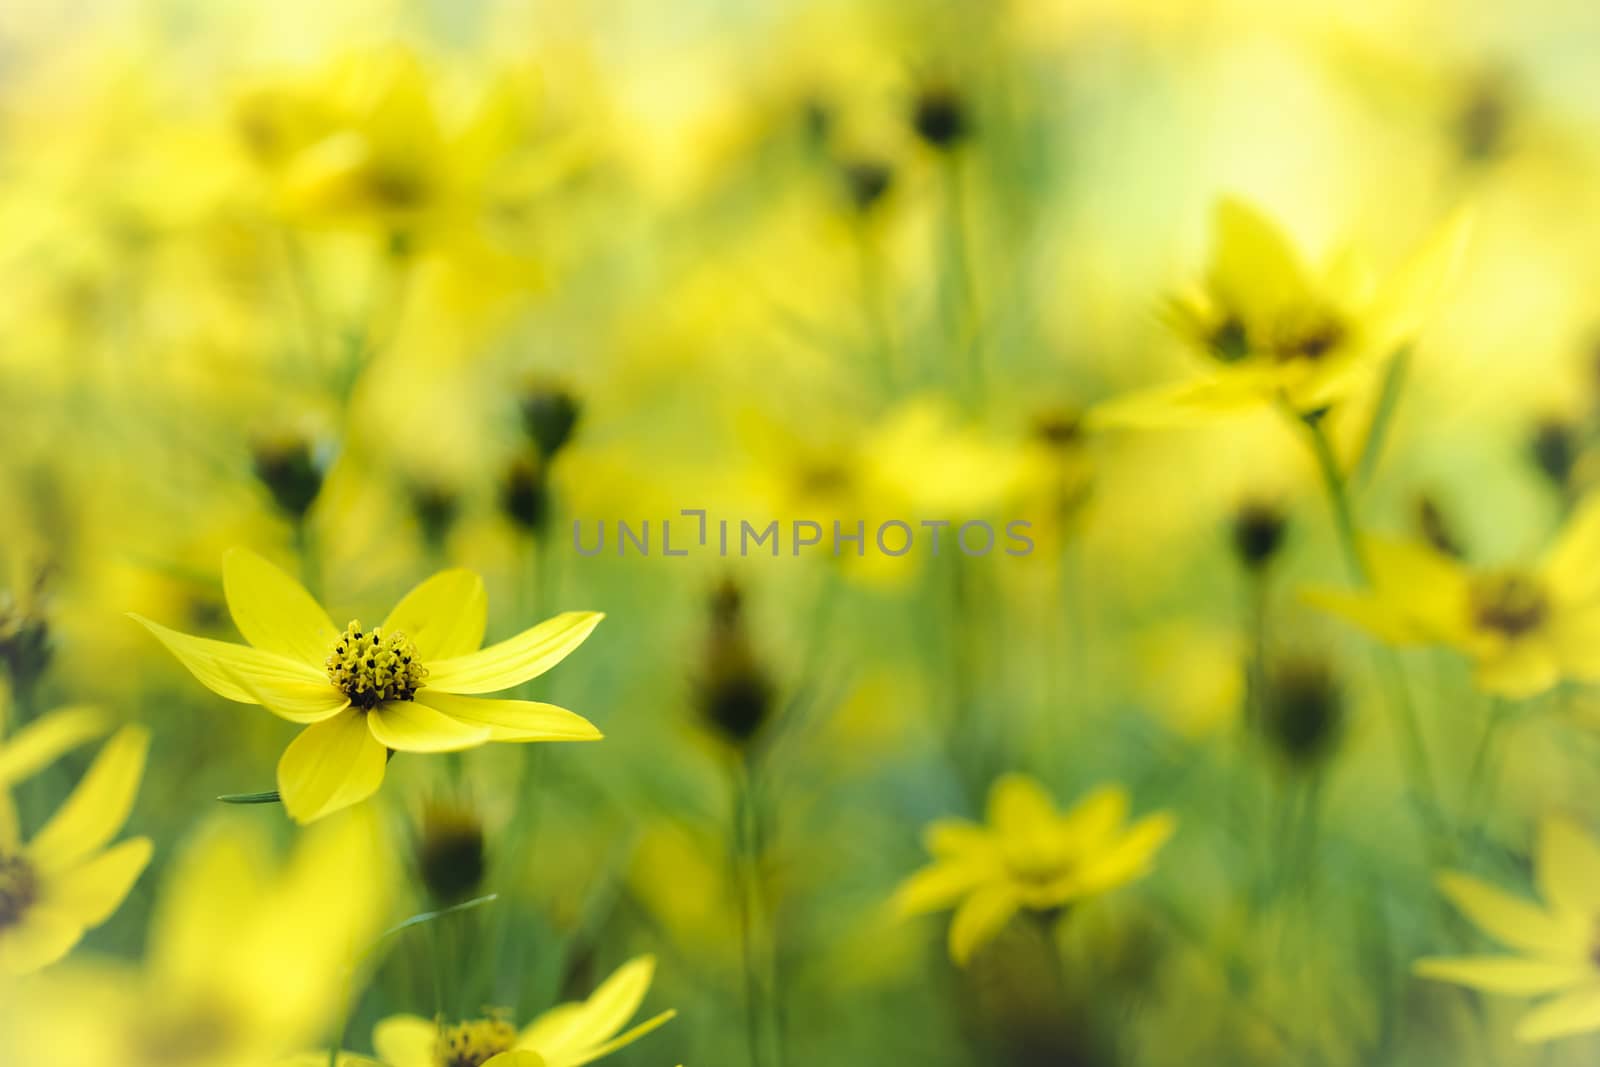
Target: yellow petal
x,y
1020,806
1520,669
1227,392
248,675
92,890
273,611
98,807
951,838
407,726
516,1058
40,939
1381,618
620,1041
405,1041
320,1059
980,917
1577,1012
1567,864
1575,637
1095,817
561,1034
330,765
1427,586
1513,922
513,720
1504,974
39,743
1254,266
444,616
939,886
1572,566
1414,294
1129,859
221,873
514,660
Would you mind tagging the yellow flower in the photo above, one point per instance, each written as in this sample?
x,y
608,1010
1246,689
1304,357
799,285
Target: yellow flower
x,y
66,880
1277,332
405,686
568,1035
1557,945
1029,856
247,960
1525,628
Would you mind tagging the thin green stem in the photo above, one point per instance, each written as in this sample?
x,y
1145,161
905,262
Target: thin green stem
x,y
1481,777
744,863
305,547
1377,435
1402,713
966,317
870,268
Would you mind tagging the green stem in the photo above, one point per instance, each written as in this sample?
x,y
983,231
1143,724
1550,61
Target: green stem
x,y
1403,715
1480,778
1383,416
872,308
744,863
966,318
305,547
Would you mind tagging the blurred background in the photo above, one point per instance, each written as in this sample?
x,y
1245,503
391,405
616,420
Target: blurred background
x,y
377,288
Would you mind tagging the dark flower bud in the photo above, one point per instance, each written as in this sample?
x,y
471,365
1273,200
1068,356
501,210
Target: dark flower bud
x,y
435,508
1258,530
866,182
25,634
450,857
1483,121
549,416
1302,710
291,470
1060,429
735,693
525,496
1554,450
940,117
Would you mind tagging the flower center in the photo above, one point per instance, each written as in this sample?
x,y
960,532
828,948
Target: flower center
x,y
1310,340
473,1044
1508,603
374,667
19,887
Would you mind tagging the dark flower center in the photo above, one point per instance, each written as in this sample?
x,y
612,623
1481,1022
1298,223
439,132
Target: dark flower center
x,y
373,667
19,888
1508,603
472,1044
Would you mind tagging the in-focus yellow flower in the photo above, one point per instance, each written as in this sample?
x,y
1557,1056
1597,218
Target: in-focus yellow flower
x,y
409,685
1274,331
1557,944
567,1035
66,880
248,959
1525,628
1029,856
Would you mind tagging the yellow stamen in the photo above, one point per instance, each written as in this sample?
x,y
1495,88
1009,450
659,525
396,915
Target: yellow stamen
x,y
374,667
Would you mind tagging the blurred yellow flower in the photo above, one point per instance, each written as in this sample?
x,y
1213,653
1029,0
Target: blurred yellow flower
x,y
1557,944
1275,332
1525,628
406,686
1029,856
247,960
65,880
567,1035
